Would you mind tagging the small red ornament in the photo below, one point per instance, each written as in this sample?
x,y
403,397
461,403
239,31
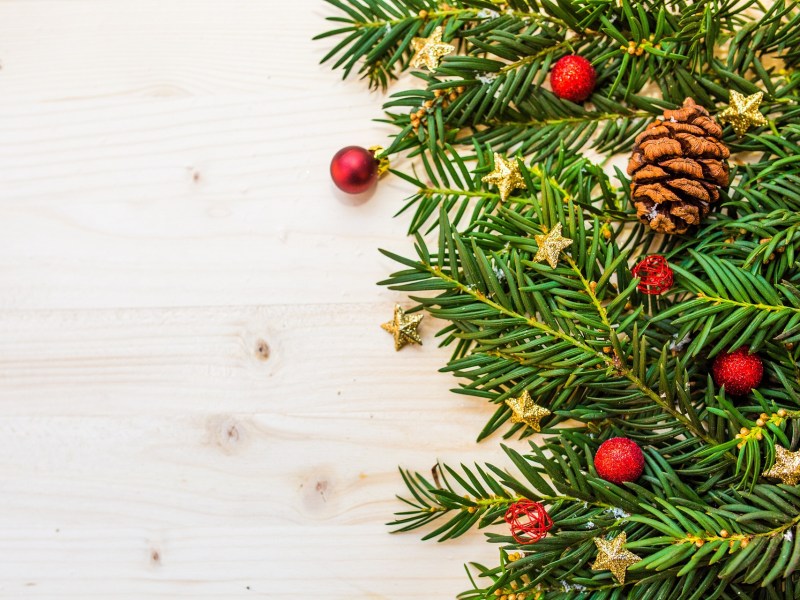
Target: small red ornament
x,y
528,520
655,274
573,78
619,460
354,169
738,371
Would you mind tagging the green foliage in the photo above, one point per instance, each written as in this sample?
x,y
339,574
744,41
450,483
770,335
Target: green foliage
x,y
507,55
603,357
729,306
692,537
378,33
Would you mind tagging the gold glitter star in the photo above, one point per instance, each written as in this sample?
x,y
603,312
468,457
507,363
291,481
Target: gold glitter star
x,y
506,176
403,328
429,50
786,467
742,112
550,246
613,557
527,411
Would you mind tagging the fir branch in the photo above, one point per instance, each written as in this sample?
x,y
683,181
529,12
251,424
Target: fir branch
x,y
453,185
675,528
581,335
484,318
729,306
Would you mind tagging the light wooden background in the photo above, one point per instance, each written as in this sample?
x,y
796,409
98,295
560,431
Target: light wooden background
x,y
196,399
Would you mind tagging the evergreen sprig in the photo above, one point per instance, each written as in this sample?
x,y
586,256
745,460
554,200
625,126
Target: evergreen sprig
x,y
681,529
604,358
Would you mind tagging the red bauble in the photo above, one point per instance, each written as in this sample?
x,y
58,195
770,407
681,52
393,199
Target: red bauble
x,y
354,169
573,78
619,460
655,274
528,520
738,371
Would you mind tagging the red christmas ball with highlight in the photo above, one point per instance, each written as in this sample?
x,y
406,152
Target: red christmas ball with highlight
x,y
573,78
738,371
354,169
619,460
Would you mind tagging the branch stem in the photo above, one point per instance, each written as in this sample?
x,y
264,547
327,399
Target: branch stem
x,y
613,363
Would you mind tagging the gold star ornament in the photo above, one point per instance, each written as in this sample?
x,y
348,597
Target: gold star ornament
x,y
525,410
550,246
786,467
613,557
403,328
429,51
505,176
742,112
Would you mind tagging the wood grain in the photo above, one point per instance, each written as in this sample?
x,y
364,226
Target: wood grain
x,y
167,451
196,399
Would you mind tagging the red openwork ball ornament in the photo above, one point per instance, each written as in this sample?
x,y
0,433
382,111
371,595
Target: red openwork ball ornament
x,y
619,460
739,371
655,274
354,169
528,520
573,78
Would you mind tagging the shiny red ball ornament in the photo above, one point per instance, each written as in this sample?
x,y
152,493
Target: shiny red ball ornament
x,y
655,274
619,460
354,169
738,371
573,78
528,520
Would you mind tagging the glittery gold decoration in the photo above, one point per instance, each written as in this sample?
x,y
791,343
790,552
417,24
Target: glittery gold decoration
x,y
505,176
383,161
742,112
428,51
403,328
550,246
613,557
786,467
527,411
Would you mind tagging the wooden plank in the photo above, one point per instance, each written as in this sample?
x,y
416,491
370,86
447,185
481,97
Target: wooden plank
x,y
188,433
226,562
196,203
195,397
55,50
252,359
114,193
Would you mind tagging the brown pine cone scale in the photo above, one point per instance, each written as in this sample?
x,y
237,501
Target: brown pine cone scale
x,y
677,167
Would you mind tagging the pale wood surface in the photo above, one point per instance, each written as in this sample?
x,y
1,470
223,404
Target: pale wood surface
x,y
195,397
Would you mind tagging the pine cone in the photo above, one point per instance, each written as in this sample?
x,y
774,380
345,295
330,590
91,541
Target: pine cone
x,y
677,167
